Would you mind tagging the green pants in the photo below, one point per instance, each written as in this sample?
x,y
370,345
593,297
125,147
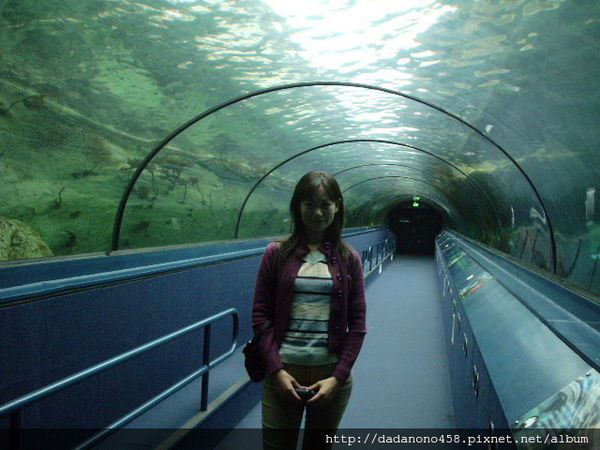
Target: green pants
x,y
282,418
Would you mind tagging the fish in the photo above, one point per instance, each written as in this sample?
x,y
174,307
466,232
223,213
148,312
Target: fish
x,y
31,101
141,226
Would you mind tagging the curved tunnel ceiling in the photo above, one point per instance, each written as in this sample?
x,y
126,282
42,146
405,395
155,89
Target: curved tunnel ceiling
x,y
388,203
379,202
506,92
397,155
487,142
486,201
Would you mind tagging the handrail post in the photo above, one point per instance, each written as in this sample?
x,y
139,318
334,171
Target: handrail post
x,y
13,408
205,362
235,329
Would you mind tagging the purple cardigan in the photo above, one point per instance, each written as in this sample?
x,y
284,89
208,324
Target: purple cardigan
x,y
274,296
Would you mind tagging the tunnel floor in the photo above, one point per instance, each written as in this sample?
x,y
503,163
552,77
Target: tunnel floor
x,y
401,377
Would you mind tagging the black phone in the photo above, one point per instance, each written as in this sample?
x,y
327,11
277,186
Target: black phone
x,y
305,394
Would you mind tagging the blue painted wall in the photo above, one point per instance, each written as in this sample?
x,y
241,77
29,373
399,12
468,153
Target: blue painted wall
x,y
46,339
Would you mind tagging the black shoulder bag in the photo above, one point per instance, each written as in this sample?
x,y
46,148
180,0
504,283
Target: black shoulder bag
x,y
253,360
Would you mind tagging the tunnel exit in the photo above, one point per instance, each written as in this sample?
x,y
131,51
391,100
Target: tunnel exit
x,y
415,224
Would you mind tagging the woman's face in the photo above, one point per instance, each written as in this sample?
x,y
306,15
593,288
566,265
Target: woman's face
x,y
318,212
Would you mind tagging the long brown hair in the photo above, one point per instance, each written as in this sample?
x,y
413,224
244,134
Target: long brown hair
x,y
305,189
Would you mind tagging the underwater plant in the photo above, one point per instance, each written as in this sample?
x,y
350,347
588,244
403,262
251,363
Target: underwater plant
x,y
71,239
57,202
144,193
172,168
193,181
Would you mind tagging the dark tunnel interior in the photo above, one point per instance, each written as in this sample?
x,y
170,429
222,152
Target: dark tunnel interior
x,y
415,224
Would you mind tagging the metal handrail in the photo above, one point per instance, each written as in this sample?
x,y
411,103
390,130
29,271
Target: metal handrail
x,y
14,405
380,253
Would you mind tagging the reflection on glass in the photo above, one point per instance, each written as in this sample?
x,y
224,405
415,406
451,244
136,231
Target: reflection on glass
x,y
87,90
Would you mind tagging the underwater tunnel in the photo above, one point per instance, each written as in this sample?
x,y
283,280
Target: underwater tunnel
x,y
149,151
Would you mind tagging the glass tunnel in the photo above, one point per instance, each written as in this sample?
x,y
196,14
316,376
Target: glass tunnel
x,y
129,125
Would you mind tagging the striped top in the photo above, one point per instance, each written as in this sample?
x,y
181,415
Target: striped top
x,y
305,341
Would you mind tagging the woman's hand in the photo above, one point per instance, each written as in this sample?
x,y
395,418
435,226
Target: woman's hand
x,y
286,385
326,389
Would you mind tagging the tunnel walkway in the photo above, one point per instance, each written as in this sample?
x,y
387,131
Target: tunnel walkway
x,y
401,377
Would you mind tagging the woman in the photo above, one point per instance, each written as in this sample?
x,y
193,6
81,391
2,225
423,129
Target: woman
x,y
310,295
